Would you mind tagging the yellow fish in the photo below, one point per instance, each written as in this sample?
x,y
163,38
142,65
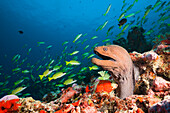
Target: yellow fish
x,y
108,9
75,52
77,37
56,75
104,25
56,67
18,90
69,81
73,62
126,26
94,67
146,13
25,71
122,15
46,73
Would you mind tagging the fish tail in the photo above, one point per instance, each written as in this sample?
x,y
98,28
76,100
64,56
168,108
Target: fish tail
x,y
50,78
41,77
67,62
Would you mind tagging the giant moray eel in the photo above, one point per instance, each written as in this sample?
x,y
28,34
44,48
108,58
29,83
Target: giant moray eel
x,y
117,61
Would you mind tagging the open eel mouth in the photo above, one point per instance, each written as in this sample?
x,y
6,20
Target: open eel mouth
x,y
103,56
112,69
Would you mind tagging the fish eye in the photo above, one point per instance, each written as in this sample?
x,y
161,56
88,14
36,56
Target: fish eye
x,y
105,49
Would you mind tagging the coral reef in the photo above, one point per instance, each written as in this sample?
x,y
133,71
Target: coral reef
x,y
156,61
155,71
152,92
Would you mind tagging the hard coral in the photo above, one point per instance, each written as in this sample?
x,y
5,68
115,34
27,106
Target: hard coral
x,y
160,84
68,94
42,111
30,105
66,108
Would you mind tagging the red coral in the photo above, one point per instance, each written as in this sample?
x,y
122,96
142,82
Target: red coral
x,y
87,89
76,103
42,111
139,111
9,106
60,111
104,86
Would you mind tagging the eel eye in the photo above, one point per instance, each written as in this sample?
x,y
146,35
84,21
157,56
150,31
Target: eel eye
x,y
105,49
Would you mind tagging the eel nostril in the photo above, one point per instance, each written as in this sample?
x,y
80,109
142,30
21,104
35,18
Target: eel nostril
x,y
105,49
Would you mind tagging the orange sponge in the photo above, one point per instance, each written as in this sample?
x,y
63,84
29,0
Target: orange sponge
x,y
104,86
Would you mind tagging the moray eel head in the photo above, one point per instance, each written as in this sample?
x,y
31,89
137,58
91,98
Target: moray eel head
x,y
117,62
115,59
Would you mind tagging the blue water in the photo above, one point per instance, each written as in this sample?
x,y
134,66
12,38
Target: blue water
x,y
56,21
